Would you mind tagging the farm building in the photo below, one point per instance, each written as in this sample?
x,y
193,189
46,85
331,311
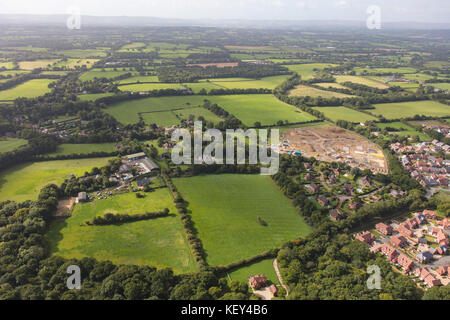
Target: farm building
x,y
135,156
82,197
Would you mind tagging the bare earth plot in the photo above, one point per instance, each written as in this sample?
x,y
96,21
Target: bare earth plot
x,y
329,143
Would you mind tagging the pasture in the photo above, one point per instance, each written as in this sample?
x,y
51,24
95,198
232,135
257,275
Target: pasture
x,y
225,209
74,63
24,181
149,86
264,83
361,80
30,89
343,113
31,65
409,109
98,73
10,144
86,148
305,91
248,108
158,242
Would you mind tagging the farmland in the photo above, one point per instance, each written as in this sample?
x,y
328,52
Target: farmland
x,y
24,181
158,242
69,149
361,80
225,209
10,144
410,109
343,113
304,91
248,108
30,89
30,65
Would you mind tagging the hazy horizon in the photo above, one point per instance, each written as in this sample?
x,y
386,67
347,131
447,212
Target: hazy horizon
x,y
433,11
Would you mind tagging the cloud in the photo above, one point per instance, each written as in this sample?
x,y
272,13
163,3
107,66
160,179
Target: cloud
x,y
340,3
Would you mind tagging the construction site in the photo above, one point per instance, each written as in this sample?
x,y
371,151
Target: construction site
x,y
333,144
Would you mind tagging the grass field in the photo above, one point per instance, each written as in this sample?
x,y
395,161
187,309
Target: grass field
x,y
83,53
10,144
442,86
264,267
305,91
197,112
248,108
331,84
386,70
409,109
149,86
410,131
225,209
94,96
69,149
308,70
98,73
24,181
343,113
159,242
139,79
265,83
361,80
30,89
31,65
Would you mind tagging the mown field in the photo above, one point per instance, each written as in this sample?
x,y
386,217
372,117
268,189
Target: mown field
x,y
31,65
248,108
86,148
304,91
73,63
225,210
30,89
149,86
24,181
343,113
409,109
265,83
158,242
10,144
308,70
98,73
385,70
361,80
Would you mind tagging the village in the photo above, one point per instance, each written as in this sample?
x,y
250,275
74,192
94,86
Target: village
x,y
420,161
417,247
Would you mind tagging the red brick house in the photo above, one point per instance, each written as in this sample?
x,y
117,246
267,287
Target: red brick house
x,y
431,281
258,281
406,232
389,252
444,270
399,241
384,228
429,214
365,236
405,262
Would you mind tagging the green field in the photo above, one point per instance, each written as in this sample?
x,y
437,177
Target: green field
x,y
442,86
30,89
10,144
24,181
265,83
225,209
248,108
343,113
98,73
139,79
410,131
264,267
305,91
73,63
149,86
83,53
307,71
385,70
94,96
331,84
159,242
69,149
31,65
410,109
361,80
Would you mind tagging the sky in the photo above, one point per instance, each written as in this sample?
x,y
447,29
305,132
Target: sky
x,y
428,11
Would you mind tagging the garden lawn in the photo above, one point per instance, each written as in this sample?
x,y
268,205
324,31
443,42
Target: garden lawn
x,y
264,267
24,181
225,210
